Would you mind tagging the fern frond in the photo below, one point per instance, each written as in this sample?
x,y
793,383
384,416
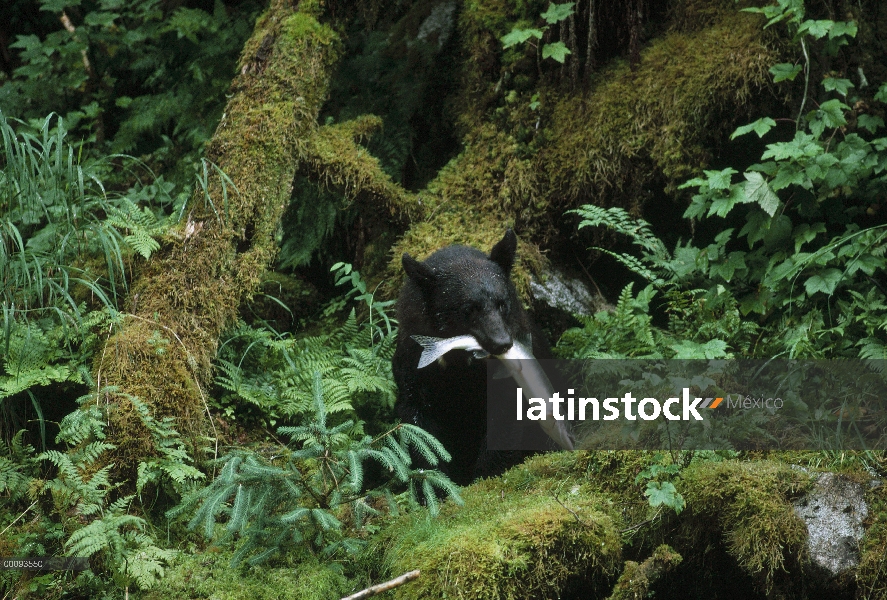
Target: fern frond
x,y
621,221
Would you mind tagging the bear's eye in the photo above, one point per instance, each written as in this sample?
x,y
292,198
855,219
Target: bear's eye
x,y
502,307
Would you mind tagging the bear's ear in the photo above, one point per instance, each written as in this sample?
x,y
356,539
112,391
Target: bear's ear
x,y
503,252
419,272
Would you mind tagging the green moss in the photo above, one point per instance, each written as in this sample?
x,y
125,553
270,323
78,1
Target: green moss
x,y
512,539
746,506
660,120
636,579
333,158
210,576
871,575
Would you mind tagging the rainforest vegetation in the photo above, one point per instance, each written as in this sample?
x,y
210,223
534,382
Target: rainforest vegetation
x,y
203,206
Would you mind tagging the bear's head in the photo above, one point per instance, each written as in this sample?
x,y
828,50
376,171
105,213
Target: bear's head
x,y
464,291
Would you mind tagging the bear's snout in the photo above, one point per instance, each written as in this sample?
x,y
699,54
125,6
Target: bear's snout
x,y
500,349
492,332
498,345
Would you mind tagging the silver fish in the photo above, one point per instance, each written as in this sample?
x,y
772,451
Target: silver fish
x,y
528,373
520,364
434,348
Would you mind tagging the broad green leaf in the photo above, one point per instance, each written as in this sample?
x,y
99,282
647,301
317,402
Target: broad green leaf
x,y
722,205
780,272
756,227
826,160
695,182
767,168
102,19
557,12
58,6
867,263
758,190
832,113
779,232
684,261
783,71
724,237
789,174
840,28
755,303
833,84
816,29
870,122
832,45
778,12
720,180
519,36
802,146
817,169
836,177
821,258
26,42
881,96
697,207
664,493
761,126
556,50
826,282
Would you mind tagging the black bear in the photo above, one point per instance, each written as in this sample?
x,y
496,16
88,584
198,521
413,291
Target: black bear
x,y
459,291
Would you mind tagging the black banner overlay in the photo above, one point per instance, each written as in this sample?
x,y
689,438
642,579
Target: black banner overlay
x,y
778,404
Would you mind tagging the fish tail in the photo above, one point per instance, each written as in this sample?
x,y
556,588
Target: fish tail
x,y
426,341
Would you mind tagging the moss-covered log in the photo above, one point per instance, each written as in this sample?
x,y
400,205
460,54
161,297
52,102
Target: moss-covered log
x,y
612,139
190,291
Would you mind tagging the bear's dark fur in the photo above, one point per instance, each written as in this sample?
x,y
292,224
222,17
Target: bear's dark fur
x,y
457,291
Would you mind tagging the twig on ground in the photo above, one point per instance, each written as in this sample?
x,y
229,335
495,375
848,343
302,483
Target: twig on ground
x,y
383,587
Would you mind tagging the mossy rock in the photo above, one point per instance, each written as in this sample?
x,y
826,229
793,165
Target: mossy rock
x,y
513,538
746,507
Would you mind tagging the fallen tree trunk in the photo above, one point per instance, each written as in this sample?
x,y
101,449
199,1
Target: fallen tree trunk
x,y
189,292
